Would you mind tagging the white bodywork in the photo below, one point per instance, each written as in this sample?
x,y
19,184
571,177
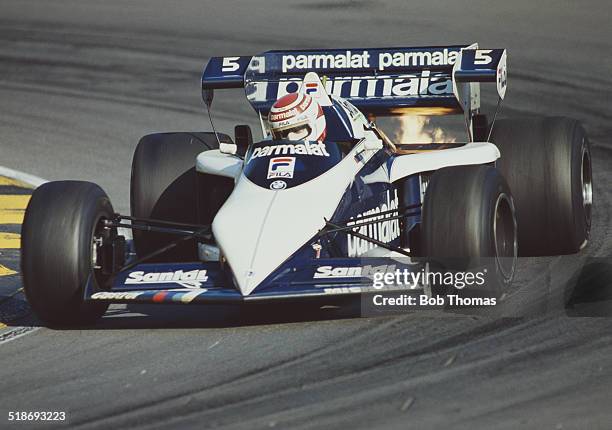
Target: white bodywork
x,y
257,229
215,162
471,153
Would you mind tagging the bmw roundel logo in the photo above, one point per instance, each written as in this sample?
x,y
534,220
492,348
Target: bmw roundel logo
x,y
278,185
292,87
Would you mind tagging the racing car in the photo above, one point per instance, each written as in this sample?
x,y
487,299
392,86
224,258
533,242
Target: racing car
x,y
217,219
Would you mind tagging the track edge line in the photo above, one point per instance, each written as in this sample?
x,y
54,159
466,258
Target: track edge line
x,y
32,180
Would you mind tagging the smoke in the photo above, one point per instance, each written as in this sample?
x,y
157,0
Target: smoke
x,y
416,129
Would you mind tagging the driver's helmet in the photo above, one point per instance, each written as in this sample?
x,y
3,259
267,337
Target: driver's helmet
x,y
297,116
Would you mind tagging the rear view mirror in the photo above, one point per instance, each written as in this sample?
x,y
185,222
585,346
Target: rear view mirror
x,y
243,138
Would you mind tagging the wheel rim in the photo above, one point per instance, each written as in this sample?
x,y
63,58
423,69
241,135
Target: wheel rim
x,y
96,243
94,252
97,239
586,184
505,236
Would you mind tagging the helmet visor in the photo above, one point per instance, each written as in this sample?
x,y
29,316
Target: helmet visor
x,y
298,132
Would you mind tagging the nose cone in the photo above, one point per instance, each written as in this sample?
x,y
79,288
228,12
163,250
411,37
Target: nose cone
x,y
258,229
239,228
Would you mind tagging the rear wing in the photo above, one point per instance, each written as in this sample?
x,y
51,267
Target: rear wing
x,y
384,81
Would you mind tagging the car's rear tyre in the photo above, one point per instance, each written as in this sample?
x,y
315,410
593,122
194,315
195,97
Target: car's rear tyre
x,y
469,224
58,250
547,163
164,186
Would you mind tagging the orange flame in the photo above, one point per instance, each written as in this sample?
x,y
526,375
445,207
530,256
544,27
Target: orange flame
x,y
416,129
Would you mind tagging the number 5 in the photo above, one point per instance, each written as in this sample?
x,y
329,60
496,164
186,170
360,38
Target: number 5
x,y
230,64
482,57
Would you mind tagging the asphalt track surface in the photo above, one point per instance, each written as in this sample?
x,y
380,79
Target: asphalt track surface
x,y
81,81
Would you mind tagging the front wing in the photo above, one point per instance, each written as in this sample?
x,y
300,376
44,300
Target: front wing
x,y
209,283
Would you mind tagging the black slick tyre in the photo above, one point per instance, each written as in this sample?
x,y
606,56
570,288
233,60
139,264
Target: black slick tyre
x,y
58,250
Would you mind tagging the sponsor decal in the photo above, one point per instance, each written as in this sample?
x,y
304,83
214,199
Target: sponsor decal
x,y
290,113
151,295
327,272
311,87
442,57
306,148
190,279
281,167
384,230
346,60
283,115
367,271
382,60
365,289
278,185
344,290
414,85
109,295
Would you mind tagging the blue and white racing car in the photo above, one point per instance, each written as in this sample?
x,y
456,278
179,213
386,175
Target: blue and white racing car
x,y
222,220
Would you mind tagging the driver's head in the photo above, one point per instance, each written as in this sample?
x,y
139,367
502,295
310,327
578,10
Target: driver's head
x,y
297,116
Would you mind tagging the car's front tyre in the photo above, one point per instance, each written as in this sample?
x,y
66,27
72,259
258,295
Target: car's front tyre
x,y
59,250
